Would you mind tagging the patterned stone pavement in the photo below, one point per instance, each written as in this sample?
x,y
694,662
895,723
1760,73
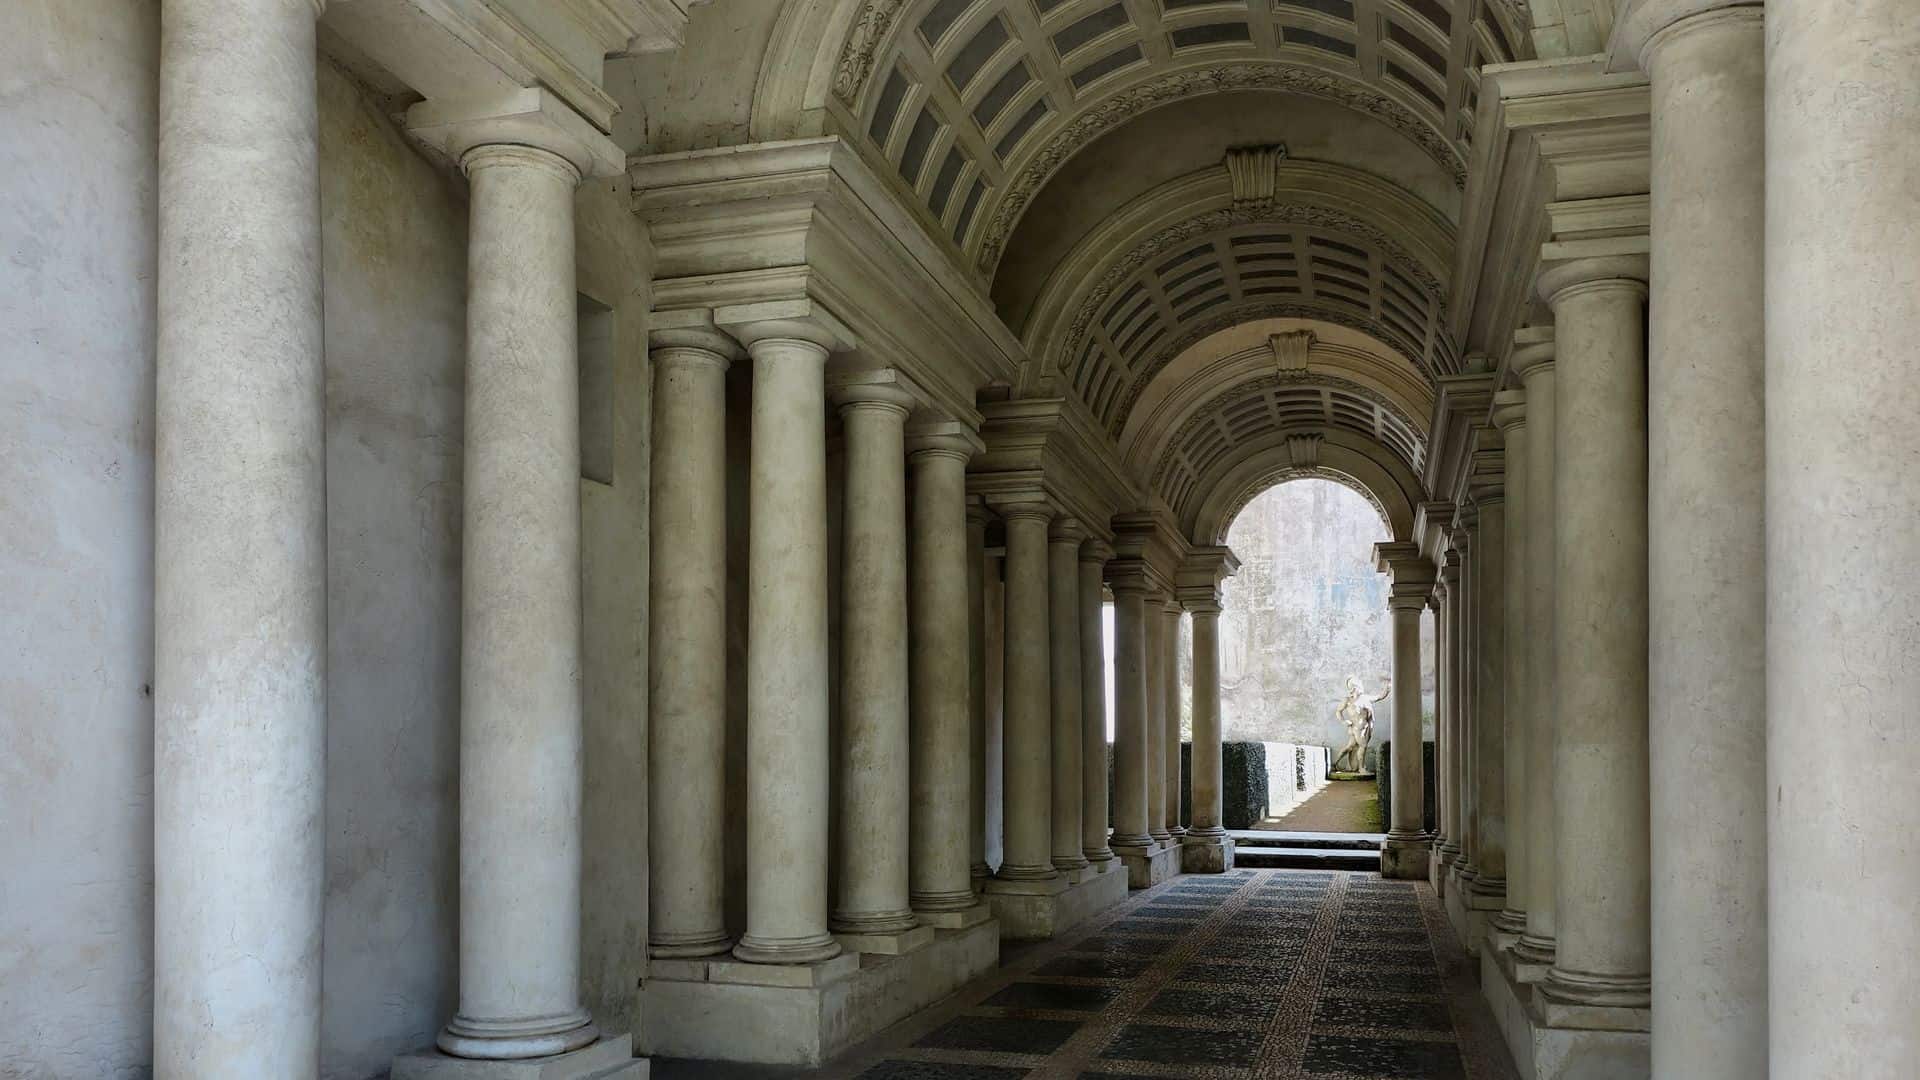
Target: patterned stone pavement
x,y
1253,974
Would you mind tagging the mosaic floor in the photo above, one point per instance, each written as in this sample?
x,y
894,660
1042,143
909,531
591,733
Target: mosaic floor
x,y
1256,973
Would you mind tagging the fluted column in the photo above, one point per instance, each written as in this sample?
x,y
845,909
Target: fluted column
x,y
1029,712
787,731
1406,850
1533,362
1510,413
687,672
945,577
977,517
1063,585
1706,474
240,560
1843,603
1600,758
1170,689
874,774
1094,554
1132,631
1156,713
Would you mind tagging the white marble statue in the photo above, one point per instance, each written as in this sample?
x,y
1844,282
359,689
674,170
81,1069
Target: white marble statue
x,y
1356,712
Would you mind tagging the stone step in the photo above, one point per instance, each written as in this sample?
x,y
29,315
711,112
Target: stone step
x,y
1269,858
1255,838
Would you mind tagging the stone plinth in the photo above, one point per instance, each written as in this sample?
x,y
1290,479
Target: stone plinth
x,y
1471,911
1551,1041
802,1014
1406,860
1206,854
1030,911
1149,865
608,1059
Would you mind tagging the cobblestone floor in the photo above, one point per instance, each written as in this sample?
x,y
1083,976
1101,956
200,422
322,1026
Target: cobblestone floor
x,y
1253,974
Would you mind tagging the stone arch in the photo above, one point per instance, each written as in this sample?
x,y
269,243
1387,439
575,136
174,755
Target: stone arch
x,y
1362,464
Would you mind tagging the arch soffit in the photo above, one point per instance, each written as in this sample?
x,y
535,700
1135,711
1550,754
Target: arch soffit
x,y
1199,386
1363,465
1117,311
979,117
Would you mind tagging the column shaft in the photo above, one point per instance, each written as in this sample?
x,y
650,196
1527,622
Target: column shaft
x,y
1131,639
1442,731
1170,689
977,699
1207,805
1156,718
1458,729
520,725
1600,757
687,671
874,775
1405,852
1093,704
945,577
240,630
1063,584
1537,944
1842,604
1029,712
1465,867
1490,731
1509,411
1706,560
787,672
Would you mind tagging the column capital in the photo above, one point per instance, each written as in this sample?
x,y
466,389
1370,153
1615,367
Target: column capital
x,y
887,387
1402,560
1096,550
944,438
1569,278
1014,507
530,119
800,321
684,335
1533,351
1510,410
1200,600
1410,596
1131,577
978,513
1646,25
1067,529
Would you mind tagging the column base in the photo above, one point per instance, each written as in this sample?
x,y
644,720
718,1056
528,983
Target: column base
x,y
1031,911
611,1058
1550,1042
1206,853
1405,859
1148,864
802,1014
1471,905
887,943
957,918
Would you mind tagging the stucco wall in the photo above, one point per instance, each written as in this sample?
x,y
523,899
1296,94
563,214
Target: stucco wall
x,y
1306,610
78,84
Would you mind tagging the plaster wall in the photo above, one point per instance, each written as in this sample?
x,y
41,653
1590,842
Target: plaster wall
x,y
1306,609
77,223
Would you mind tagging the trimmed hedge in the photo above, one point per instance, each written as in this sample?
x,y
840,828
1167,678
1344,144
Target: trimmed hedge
x,y
1383,779
1243,784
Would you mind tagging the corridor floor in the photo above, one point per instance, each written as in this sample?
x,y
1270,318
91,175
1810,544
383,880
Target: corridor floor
x,y
1255,974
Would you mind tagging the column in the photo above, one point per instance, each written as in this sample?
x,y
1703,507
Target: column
x,y
1467,717
1063,585
1843,605
520,724
1170,611
1156,713
875,773
1600,756
1131,637
787,733
1532,361
1029,712
977,518
1706,475
1405,853
1207,830
1094,554
1489,665
1453,760
687,670
1510,413
240,561
1443,740
946,577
